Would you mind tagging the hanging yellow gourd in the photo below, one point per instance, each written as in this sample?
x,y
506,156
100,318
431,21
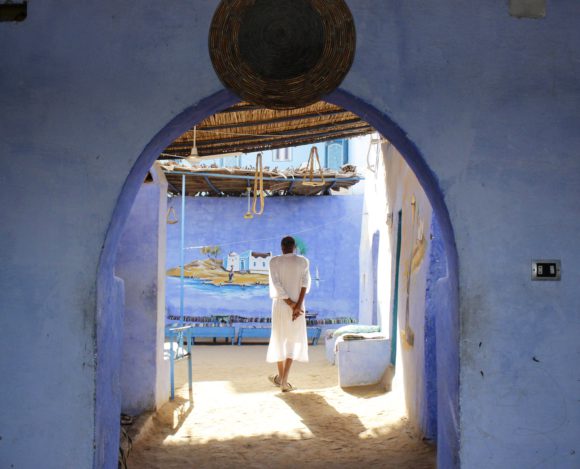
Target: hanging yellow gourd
x,y
258,186
310,168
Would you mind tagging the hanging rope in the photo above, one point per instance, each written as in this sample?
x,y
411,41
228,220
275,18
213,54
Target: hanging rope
x,y
409,335
310,168
171,216
258,185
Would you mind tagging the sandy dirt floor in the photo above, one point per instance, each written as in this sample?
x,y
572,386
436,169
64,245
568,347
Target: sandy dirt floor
x,y
236,418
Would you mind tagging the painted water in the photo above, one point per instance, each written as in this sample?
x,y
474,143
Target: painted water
x,y
197,287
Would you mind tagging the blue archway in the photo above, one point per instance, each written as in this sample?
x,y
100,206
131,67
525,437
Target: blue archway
x,y
107,406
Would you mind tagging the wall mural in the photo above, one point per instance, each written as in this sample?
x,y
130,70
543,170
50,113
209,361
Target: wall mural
x,y
227,258
227,274
235,273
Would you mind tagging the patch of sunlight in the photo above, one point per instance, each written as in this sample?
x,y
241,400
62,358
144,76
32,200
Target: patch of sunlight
x,y
221,413
214,389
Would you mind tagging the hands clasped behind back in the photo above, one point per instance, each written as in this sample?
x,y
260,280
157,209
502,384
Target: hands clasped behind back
x,y
297,309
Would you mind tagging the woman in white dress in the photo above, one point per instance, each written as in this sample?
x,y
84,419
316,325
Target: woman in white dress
x,y
289,283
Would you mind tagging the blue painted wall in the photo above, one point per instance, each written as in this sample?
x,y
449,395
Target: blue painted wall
x,y
108,393
300,155
328,225
137,261
487,108
443,329
435,304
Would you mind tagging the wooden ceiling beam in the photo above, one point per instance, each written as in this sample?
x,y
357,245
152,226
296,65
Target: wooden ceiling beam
x,y
325,135
282,133
241,140
276,143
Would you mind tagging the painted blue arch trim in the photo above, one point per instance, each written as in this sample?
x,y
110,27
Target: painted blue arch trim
x,y
448,430
413,157
105,406
190,116
108,335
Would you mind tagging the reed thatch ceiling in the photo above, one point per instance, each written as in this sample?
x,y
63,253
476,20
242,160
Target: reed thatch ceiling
x,y
249,128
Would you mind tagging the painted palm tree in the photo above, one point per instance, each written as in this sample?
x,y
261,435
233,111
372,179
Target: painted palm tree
x,y
301,247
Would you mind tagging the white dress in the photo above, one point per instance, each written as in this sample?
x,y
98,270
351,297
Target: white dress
x,y
288,274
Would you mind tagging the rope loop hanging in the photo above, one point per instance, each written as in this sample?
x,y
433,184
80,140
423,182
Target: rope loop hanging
x,y
258,186
311,170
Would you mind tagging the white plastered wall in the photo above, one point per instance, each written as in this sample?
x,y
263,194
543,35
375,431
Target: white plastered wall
x,y
391,186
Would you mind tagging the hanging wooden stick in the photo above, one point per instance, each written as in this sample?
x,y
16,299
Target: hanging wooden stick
x,y
248,215
310,166
258,181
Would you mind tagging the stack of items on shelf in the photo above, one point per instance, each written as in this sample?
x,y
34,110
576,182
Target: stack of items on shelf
x,y
228,320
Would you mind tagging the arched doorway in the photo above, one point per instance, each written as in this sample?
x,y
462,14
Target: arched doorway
x,y
109,293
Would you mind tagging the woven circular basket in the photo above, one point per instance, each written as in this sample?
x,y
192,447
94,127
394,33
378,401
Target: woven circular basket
x,y
282,54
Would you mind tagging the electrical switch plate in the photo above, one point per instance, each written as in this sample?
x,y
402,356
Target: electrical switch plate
x,y
546,269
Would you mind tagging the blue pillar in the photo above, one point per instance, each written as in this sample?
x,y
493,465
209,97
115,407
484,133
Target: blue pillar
x,y
182,251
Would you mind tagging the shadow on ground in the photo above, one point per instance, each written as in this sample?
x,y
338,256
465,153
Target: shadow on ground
x,y
334,440
394,448
366,391
238,419
315,413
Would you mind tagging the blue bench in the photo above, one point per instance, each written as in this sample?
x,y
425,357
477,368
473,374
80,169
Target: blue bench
x,y
313,333
213,332
253,333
